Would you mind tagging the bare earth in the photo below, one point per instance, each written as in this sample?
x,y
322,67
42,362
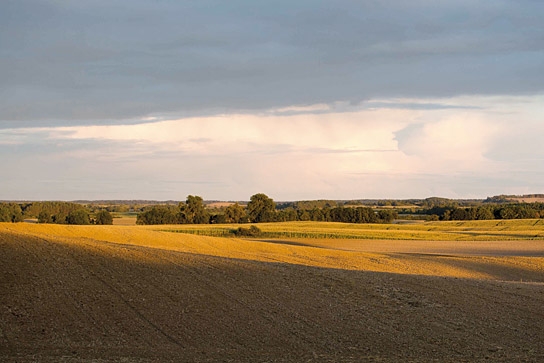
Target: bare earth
x,y
131,294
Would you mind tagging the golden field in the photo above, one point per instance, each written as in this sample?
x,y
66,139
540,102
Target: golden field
x,y
145,293
497,230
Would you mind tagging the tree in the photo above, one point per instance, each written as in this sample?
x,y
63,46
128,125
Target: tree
x,y
160,214
459,214
193,211
235,213
387,215
10,212
44,217
60,217
261,208
303,215
484,212
316,214
218,219
79,216
103,217
286,215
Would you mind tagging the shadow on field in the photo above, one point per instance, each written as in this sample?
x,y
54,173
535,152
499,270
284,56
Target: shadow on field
x,y
506,236
285,242
101,301
430,248
493,267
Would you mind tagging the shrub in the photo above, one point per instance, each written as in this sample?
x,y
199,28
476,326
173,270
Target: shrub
x,y
252,231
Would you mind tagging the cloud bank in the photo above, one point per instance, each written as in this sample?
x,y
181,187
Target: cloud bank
x,y
368,152
120,60
301,100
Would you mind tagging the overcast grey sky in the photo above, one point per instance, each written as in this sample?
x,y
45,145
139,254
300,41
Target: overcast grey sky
x,y
159,99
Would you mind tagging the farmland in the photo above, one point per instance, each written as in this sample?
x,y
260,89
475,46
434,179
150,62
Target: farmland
x,y
303,291
494,230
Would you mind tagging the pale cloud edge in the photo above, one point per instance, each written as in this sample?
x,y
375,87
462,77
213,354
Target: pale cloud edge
x,y
301,100
456,151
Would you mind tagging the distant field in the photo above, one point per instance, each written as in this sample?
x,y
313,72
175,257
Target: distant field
x,y
125,219
220,204
141,294
528,200
493,230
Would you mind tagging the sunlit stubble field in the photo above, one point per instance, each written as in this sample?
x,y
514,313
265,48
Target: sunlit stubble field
x,y
487,230
140,293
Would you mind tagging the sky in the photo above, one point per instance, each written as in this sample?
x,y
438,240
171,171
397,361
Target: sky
x,y
300,100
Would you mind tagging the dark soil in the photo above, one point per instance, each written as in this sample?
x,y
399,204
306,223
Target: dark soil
x,y
101,302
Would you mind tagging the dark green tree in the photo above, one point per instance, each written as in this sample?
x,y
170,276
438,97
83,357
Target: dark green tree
x,y
10,212
484,212
60,218
286,215
459,214
235,213
45,217
316,214
261,208
194,211
387,215
303,215
79,216
160,214
103,217
218,219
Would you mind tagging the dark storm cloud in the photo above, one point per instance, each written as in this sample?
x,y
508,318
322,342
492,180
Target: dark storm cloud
x,y
76,62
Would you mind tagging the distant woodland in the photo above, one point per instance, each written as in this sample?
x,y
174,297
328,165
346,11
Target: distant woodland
x,y
54,212
261,208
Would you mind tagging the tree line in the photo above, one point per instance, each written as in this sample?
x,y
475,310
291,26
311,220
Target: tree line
x,y
53,212
486,212
260,208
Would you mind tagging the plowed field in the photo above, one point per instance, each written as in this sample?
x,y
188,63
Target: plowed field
x,y
132,294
